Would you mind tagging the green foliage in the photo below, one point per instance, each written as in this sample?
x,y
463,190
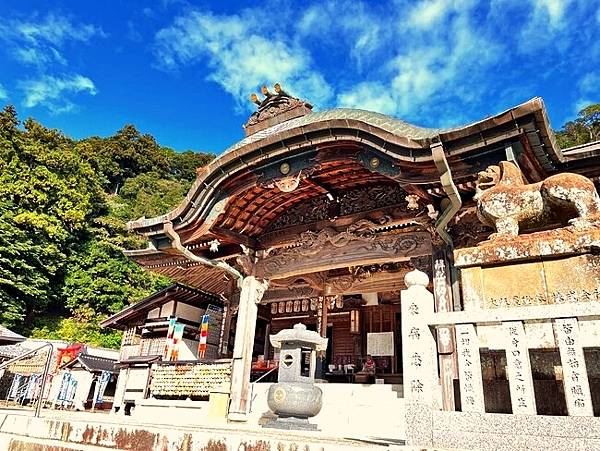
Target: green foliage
x,y
48,194
82,327
63,212
584,129
100,276
148,195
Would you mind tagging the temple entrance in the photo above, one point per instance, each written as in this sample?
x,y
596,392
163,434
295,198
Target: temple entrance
x,y
356,308
364,342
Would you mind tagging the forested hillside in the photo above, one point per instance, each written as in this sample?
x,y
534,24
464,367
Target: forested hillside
x,y
584,129
63,209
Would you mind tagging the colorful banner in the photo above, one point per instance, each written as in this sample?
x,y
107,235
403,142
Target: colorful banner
x,y
203,337
68,388
14,388
177,337
101,384
32,384
169,341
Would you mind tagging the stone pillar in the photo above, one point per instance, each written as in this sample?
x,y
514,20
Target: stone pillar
x,y
419,359
250,295
469,367
442,292
575,378
520,379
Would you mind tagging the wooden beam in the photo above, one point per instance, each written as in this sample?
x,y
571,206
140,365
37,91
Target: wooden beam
x,y
233,237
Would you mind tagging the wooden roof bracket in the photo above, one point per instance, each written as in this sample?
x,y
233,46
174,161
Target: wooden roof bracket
x,y
176,243
441,163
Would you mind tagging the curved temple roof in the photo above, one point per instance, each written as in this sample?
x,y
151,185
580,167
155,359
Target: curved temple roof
x,y
399,140
233,201
386,123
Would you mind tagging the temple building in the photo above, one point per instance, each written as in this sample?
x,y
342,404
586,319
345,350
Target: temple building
x,y
379,235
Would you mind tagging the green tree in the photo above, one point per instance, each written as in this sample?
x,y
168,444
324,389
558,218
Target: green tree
x,y
148,195
83,326
99,276
185,164
584,129
63,212
49,194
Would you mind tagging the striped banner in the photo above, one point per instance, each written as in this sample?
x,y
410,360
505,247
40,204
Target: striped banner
x,y
203,337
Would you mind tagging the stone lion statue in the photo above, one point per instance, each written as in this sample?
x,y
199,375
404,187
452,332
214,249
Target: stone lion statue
x,y
508,203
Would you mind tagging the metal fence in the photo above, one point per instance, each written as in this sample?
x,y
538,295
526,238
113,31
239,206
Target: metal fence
x,y
25,386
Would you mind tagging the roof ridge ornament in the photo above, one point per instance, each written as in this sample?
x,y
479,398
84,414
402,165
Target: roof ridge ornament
x,y
274,108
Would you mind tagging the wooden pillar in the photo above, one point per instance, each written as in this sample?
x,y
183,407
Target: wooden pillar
x,y
442,291
575,378
520,379
469,367
233,299
251,293
324,312
267,341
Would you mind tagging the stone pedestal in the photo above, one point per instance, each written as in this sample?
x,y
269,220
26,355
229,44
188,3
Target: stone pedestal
x,y
553,267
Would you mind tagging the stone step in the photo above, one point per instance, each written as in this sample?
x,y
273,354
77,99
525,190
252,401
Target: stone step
x,y
17,443
45,434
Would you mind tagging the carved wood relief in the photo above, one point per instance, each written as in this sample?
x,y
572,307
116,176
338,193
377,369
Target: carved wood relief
x,y
327,249
347,202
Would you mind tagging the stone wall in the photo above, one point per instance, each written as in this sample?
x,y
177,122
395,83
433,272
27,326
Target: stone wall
x,y
489,431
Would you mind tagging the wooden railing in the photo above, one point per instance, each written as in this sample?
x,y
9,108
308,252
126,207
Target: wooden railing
x,y
146,347
128,351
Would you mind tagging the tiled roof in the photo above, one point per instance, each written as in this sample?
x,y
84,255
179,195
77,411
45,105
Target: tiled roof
x,y
387,123
93,363
7,336
11,351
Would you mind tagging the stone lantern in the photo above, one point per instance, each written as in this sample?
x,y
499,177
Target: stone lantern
x,y
295,397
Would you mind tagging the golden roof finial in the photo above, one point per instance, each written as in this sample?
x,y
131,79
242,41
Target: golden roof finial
x,y
254,98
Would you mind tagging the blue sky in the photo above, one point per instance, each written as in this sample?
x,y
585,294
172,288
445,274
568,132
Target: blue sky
x,y
183,71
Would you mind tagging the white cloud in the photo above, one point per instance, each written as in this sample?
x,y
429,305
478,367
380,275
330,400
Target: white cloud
x,y
428,12
133,33
546,26
580,104
240,56
38,41
590,83
588,89
333,24
436,62
437,67
52,92
552,10
3,93
373,96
